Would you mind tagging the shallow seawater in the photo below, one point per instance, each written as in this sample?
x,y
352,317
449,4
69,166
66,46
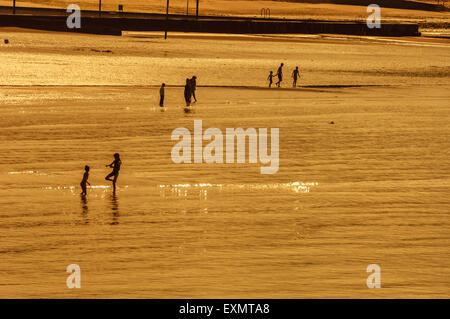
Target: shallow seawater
x,y
372,188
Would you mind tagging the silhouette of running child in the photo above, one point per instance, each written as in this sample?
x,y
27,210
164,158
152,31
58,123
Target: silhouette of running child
x,y
280,74
295,75
115,165
270,78
84,181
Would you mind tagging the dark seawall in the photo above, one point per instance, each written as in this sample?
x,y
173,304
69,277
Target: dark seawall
x,y
112,23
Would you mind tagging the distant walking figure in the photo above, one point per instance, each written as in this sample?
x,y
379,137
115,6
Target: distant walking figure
x,y
188,92
115,165
295,75
270,78
280,74
194,87
84,181
161,94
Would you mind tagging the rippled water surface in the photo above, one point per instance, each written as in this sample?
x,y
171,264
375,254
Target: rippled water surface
x,y
372,188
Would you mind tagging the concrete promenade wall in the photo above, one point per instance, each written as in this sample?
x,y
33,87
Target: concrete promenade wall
x,y
115,23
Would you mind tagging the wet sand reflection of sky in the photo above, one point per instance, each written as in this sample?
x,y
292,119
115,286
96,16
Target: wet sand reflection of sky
x,y
202,190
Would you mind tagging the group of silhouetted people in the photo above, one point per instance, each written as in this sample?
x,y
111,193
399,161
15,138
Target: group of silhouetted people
x,y
191,85
189,91
279,75
115,165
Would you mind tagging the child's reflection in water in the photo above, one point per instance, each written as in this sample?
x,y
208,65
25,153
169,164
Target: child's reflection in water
x,y
115,209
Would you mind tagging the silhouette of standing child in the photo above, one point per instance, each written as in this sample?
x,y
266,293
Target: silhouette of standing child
x,y
115,165
84,181
295,75
270,78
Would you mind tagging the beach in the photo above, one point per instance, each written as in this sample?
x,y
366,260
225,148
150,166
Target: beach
x,y
392,10
372,188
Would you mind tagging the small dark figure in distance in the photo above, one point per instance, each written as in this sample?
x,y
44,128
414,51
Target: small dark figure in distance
x,y
115,165
295,76
270,78
84,181
187,92
280,74
194,87
161,95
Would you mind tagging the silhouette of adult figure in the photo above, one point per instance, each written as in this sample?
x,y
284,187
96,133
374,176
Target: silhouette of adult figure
x,y
194,87
280,74
187,92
